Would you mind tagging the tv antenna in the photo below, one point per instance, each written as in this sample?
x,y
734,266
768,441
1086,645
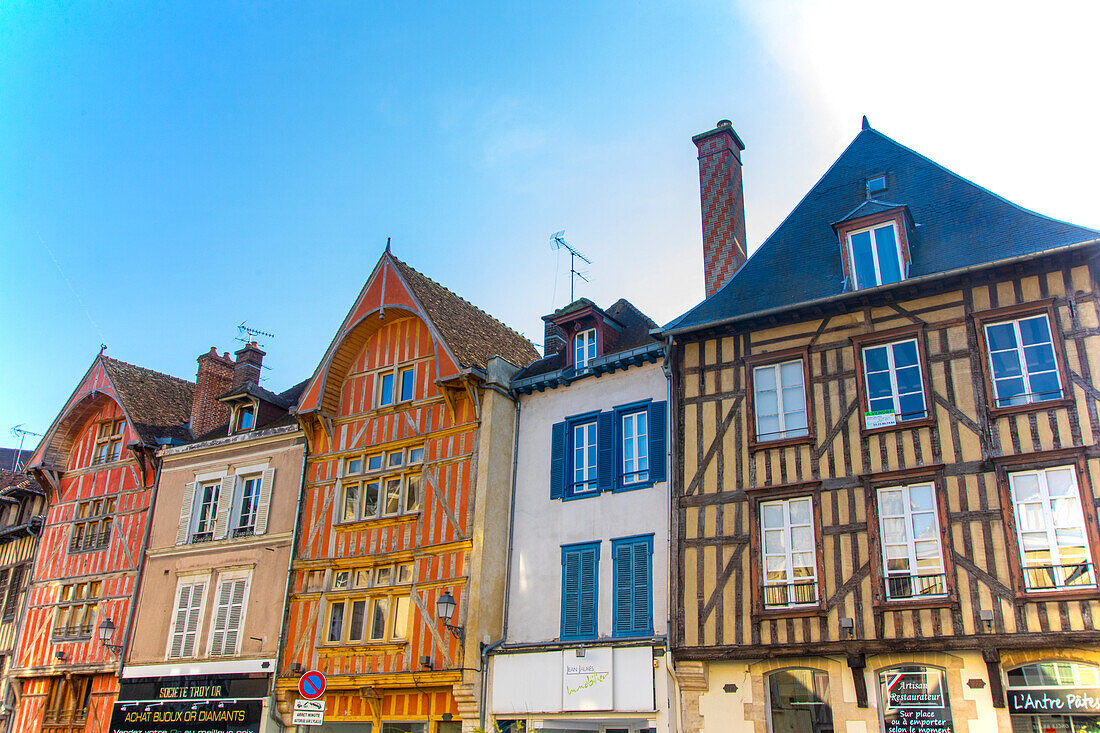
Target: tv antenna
x,y
20,433
249,334
557,241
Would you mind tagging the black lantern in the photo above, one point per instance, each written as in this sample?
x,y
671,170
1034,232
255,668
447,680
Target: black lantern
x,y
106,633
445,610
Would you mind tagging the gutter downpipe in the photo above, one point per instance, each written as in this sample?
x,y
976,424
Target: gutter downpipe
x,y
670,666
486,649
289,575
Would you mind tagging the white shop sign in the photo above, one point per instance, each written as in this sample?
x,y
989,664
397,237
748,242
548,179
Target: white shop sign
x,y
307,717
586,681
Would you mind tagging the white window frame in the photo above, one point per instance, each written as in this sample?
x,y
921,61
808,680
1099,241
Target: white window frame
x,y
403,471
194,579
1029,397
238,411
872,229
584,348
783,431
633,470
1049,516
213,600
589,484
402,373
196,510
937,588
892,370
789,552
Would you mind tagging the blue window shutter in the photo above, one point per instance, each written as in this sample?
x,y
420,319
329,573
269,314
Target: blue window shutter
x,y
579,590
605,446
570,593
643,587
586,626
658,419
557,460
624,590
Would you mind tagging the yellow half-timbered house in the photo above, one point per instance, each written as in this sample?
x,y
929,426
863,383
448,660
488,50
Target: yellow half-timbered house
x,y
885,472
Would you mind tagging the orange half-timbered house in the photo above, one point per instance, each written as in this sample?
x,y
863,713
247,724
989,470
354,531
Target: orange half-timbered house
x,y
97,462
886,476
410,429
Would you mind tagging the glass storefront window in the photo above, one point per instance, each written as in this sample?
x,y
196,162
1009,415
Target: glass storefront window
x,y
799,702
1054,697
914,699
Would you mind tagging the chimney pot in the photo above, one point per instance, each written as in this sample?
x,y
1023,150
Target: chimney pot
x,y
723,204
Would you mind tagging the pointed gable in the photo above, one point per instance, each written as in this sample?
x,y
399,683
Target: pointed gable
x,y
957,224
464,335
156,406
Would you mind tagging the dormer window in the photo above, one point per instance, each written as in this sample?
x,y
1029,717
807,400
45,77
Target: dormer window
x,y
584,348
876,185
246,418
875,256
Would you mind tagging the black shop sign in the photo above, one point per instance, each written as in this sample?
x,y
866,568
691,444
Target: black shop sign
x,y
194,688
199,716
1054,701
914,700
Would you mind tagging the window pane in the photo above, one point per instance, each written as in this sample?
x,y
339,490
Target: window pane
x,y
351,502
408,382
875,359
374,463
1035,330
1025,486
358,613
379,611
879,387
764,378
863,260
912,406
773,515
800,511
412,494
370,500
336,622
791,374
887,248
386,396
1001,336
400,617
393,495
1006,364
1045,386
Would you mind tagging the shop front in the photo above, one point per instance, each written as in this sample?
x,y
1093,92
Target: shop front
x,y
193,704
1054,697
598,689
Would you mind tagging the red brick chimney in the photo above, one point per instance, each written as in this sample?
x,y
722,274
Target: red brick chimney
x,y
553,337
249,361
723,204
215,377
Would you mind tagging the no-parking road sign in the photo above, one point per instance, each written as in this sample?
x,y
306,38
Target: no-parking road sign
x,y
312,684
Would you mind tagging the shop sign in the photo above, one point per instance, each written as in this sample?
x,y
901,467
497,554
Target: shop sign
x,y
1054,700
914,700
193,688
880,419
586,681
206,716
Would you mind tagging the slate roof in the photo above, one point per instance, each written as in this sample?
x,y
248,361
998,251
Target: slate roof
x,y
159,406
958,224
254,390
472,335
284,400
636,332
13,457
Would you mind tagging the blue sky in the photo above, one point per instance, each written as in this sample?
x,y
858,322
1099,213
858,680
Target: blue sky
x,y
169,170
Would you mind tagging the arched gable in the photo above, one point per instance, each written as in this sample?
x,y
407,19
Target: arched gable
x,y
397,345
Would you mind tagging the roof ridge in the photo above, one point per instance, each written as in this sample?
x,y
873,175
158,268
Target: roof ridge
x,y
146,369
488,315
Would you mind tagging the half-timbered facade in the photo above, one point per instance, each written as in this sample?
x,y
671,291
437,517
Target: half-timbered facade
x,y
98,463
885,468
409,427
213,588
587,601
22,513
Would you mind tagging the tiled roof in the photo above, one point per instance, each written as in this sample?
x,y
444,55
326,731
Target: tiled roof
x,y
159,406
958,224
284,400
471,334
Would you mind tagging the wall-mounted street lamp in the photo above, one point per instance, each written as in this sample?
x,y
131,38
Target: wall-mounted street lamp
x,y
106,633
444,610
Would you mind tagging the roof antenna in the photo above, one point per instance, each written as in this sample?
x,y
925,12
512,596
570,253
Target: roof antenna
x,y
557,241
248,335
20,433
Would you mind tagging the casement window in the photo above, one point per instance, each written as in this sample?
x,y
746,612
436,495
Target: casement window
x,y
245,418
798,700
75,614
789,552
380,615
108,442
875,256
11,589
910,535
1022,360
381,485
187,620
228,615
1050,529
779,400
580,571
395,384
584,348
632,612
892,376
91,528
206,511
620,449
67,700
218,506
635,446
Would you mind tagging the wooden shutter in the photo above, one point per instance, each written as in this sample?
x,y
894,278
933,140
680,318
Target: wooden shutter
x,y
185,628
623,622
227,617
642,622
586,616
633,594
570,593
557,460
224,506
579,589
183,533
658,427
15,587
606,464
264,501
4,585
